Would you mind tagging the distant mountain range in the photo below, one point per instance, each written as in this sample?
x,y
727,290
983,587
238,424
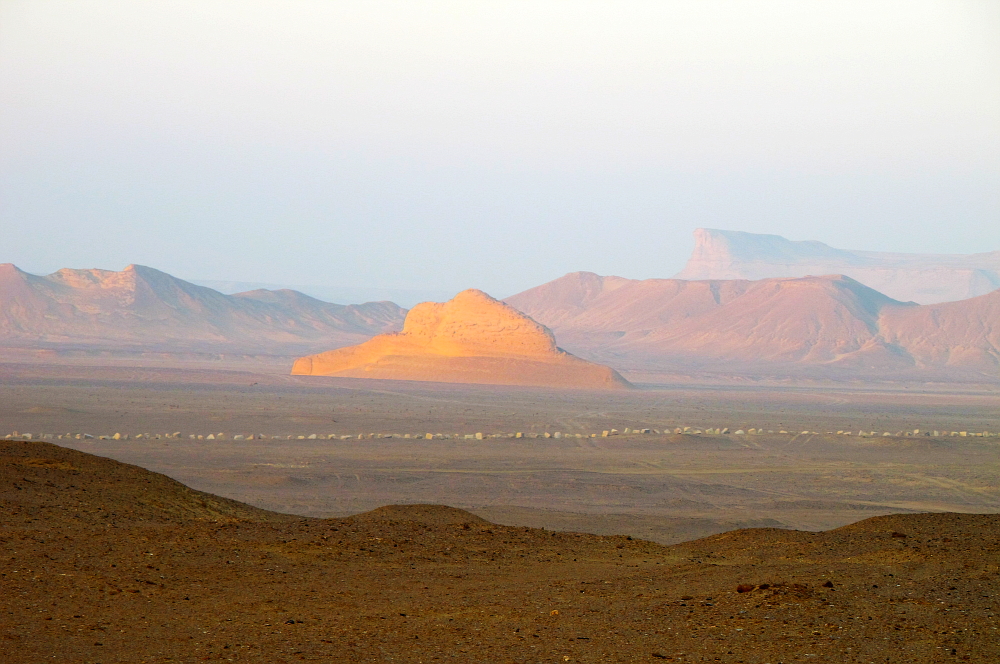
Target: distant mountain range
x,y
787,325
807,326
402,296
922,278
144,308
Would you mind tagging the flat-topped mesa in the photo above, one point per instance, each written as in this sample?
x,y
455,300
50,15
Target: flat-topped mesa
x,y
472,338
922,278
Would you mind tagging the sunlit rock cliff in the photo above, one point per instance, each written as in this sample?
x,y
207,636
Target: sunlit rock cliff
x,y
472,338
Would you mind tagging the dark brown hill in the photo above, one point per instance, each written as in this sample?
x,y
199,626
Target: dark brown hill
x,y
40,481
144,308
104,562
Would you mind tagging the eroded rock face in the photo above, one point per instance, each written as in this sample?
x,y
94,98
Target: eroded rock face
x,y
472,338
474,324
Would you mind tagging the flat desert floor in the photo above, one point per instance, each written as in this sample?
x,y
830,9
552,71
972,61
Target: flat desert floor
x,y
661,487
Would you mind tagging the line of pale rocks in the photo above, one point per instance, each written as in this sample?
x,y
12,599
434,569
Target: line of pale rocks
x,y
694,431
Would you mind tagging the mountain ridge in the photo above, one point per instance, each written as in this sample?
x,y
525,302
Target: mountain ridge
x,y
144,307
786,323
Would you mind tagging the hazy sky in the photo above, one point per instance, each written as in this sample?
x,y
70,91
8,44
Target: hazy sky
x,y
498,145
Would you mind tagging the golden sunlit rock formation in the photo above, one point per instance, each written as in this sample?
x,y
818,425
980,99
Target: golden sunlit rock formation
x,y
472,338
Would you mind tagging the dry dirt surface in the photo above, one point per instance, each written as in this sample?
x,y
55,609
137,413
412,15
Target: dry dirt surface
x,y
107,562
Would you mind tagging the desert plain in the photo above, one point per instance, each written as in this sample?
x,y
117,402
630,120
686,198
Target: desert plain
x,y
658,485
764,547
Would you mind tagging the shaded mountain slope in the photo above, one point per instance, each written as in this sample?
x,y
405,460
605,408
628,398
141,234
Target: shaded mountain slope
x,y
584,303
143,307
962,334
808,320
802,322
50,485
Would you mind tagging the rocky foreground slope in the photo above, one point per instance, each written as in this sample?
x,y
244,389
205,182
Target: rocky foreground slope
x,y
922,278
786,325
146,309
472,338
106,562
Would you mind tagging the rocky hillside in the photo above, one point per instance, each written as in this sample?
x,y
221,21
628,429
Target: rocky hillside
x,y
109,563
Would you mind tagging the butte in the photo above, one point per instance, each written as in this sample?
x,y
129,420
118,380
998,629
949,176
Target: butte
x,y
472,338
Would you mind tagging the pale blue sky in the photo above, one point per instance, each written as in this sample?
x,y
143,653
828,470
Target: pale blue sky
x,y
447,145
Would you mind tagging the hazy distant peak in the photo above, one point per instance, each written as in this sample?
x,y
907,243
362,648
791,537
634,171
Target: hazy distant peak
x,y
834,280
143,306
279,295
9,270
130,278
342,294
713,243
924,278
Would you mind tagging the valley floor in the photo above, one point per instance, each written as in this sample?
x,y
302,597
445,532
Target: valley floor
x,y
663,487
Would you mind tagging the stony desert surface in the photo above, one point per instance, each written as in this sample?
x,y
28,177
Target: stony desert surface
x,y
106,562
